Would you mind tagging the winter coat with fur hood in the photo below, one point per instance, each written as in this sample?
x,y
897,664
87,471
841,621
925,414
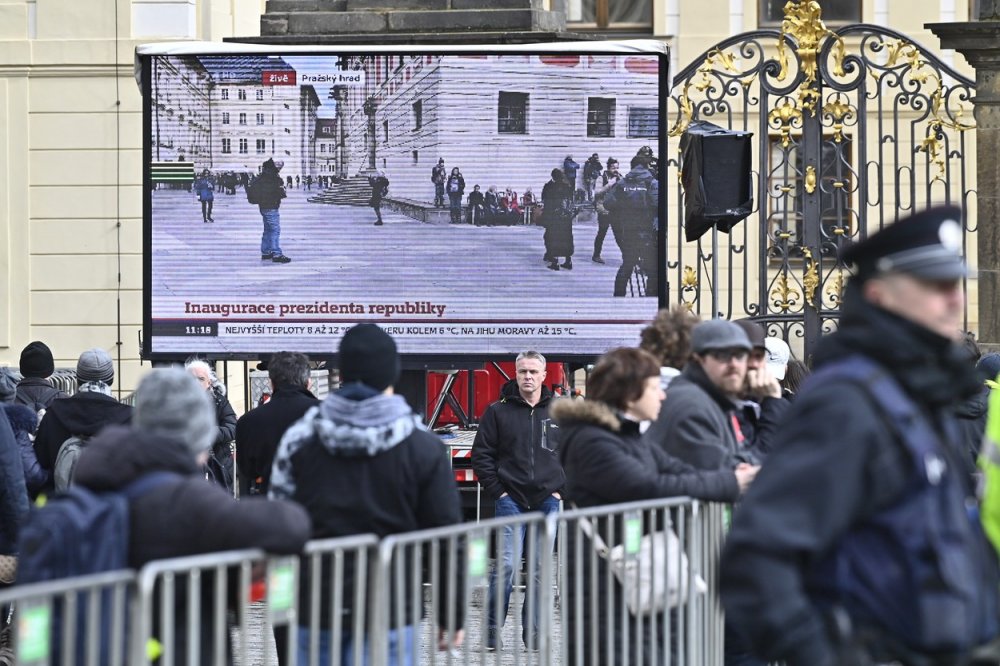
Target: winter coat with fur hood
x,y
607,461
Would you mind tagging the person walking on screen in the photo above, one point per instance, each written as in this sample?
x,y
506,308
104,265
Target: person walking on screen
x,y
267,191
380,189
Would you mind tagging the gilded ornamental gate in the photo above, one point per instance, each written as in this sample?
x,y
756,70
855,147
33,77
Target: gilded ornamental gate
x,y
854,128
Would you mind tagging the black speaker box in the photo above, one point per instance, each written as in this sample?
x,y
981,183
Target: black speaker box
x,y
716,165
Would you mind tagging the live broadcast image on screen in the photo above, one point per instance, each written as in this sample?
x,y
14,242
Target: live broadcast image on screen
x,y
471,203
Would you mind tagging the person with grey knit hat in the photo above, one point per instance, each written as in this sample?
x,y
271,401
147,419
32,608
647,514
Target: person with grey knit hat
x,y
182,514
34,389
85,413
362,461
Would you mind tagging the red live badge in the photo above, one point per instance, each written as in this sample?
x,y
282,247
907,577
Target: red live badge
x,y
283,78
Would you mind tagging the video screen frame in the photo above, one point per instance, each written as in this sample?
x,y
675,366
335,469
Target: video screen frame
x,y
553,347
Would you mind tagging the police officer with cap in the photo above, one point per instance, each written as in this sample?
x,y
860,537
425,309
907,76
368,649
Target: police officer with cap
x,y
856,544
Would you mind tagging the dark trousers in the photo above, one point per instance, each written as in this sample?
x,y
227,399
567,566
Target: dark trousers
x,y
439,194
456,207
206,210
638,250
603,222
377,207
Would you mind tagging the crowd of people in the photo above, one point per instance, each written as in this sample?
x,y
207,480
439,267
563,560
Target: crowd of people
x,y
856,538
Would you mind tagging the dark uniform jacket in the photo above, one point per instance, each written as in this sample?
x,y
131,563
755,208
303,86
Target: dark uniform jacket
x,y
259,431
835,463
507,454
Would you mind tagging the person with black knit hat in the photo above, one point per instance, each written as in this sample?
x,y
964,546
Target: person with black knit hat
x,y
83,414
361,462
35,390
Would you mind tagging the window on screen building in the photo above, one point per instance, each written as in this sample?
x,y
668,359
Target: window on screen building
x,y
621,16
600,117
834,11
512,113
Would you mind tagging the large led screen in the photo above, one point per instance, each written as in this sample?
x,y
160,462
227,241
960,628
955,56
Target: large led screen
x,y
262,170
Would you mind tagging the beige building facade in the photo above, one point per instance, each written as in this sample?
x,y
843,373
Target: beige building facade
x,y
71,142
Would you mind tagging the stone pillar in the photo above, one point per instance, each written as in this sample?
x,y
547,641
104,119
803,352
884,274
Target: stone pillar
x,y
979,42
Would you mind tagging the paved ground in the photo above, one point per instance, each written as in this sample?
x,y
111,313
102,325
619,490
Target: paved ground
x,y
262,653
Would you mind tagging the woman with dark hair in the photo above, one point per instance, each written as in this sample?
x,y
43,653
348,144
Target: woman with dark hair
x,y
557,215
795,374
606,461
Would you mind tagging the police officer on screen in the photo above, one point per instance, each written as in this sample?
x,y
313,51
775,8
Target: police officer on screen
x,y
856,544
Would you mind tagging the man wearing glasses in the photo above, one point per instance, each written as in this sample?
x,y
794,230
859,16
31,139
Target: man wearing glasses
x,y
698,421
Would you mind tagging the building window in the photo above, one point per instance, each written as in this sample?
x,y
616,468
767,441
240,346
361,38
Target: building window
x,y
261,146
643,122
227,146
835,187
244,146
617,15
260,118
225,93
600,116
243,119
225,117
322,147
385,130
241,94
416,156
512,113
834,11
260,95
418,114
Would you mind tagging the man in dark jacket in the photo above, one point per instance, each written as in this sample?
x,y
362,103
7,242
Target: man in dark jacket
x,y
35,390
259,431
173,429
855,544
85,413
763,404
972,412
632,205
362,462
698,422
515,460
267,191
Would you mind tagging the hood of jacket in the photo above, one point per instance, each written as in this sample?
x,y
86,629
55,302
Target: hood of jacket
x,y
640,174
348,426
86,413
120,455
565,412
934,370
974,407
510,393
22,418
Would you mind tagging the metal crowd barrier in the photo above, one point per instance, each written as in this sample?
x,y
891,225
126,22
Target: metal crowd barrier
x,y
335,599
606,621
369,600
172,596
81,621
